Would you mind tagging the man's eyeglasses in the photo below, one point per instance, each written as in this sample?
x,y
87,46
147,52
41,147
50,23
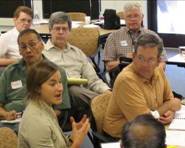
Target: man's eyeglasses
x,y
31,45
25,21
149,61
133,16
65,29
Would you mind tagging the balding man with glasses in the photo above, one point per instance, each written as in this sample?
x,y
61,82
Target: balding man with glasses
x,y
141,88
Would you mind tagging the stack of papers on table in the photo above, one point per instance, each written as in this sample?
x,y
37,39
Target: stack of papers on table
x,y
177,58
174,137
178,122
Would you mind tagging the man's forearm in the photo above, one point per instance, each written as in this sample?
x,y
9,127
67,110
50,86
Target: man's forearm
x,y
164,108
5,62
8,115
2,113
111,64
173,105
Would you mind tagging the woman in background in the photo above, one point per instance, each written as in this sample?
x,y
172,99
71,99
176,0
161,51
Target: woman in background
x,y
39,127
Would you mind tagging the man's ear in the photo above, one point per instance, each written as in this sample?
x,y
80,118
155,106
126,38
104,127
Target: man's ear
x,y
38,91
142,16
14,19
133,55
42,45
159,60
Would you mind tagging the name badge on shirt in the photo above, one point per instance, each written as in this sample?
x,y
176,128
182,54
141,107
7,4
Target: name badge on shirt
x,y
16,84
123,43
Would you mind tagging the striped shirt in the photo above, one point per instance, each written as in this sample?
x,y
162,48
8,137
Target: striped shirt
x,y
121,43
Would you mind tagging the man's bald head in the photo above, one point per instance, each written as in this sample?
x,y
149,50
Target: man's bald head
x,y
143,132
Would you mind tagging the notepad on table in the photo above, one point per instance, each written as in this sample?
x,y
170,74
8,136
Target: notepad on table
x,y
77,81
177,124
175,137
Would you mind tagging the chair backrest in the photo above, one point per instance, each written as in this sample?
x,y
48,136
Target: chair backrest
x,y
86,39
111,19
124,61
8,138
120,14
98,107
77,16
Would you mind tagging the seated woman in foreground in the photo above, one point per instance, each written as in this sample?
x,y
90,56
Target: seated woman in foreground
x,y
39,127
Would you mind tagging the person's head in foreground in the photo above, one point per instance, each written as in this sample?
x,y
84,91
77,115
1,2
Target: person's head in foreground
x,y
44,83
146,57
143,132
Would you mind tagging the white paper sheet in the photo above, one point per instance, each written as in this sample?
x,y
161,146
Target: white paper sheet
x,y
178,122
111,145
174,137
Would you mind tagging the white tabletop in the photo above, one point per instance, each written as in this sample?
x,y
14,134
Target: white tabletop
x,y
179,58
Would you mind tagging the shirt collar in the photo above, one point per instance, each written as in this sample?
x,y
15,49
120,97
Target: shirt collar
x,y
49,45
139,31
154,77
21,63
43,105
15,29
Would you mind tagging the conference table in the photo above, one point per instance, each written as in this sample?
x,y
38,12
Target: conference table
x,y
174,57
177,59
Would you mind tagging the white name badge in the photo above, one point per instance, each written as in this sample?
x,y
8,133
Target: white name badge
x,y
123,43
16,84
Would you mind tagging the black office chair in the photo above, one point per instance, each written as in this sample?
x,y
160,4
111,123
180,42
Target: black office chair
x,y
124,61
96,137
